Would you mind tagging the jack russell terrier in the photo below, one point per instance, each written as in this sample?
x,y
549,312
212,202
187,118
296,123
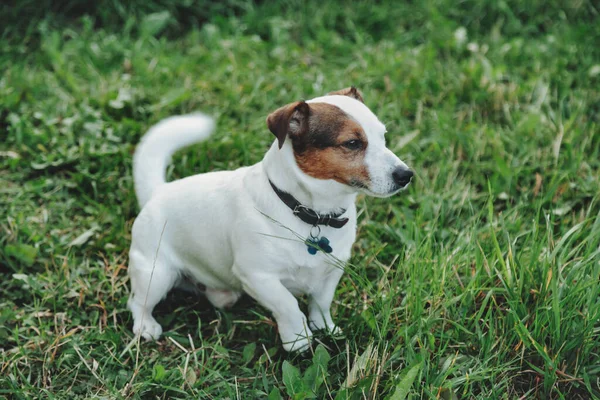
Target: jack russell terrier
x,y
280,228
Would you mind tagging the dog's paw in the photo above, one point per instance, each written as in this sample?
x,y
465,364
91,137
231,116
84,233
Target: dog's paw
x,y
320,325
149,329
299,344
293,341
333,329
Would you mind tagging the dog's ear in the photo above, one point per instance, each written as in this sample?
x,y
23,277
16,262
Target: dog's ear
x,y
291,120
350,92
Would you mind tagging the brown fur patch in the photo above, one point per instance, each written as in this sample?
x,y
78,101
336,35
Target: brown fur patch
x,y
321,151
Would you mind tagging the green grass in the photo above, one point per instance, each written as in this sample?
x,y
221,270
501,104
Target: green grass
x,y
481,281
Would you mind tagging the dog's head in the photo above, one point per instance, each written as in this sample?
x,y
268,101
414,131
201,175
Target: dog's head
x,y
337,137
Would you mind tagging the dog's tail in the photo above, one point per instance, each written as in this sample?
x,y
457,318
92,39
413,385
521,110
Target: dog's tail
x,y
154,152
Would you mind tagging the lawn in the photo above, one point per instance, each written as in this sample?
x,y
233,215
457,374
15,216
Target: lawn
x,y
479,282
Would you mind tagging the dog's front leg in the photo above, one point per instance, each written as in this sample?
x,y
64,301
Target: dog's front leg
x,y
319,305
270,293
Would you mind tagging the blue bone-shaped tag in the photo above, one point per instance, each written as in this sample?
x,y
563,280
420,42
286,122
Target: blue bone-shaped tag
x,y
315,245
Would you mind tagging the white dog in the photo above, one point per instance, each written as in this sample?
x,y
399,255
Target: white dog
x,y
274,230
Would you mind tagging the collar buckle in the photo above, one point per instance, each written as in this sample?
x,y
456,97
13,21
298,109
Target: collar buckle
x,y
325,219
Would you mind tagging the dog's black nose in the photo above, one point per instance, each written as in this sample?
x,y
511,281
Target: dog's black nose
x,y
402,176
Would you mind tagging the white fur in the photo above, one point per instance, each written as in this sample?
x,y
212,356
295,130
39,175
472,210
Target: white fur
x,y
154,152
229,231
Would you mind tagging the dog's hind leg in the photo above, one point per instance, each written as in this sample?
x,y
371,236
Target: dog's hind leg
x,y
150,283
222,298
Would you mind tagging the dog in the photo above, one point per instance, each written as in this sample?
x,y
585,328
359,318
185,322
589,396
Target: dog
x,y
275,230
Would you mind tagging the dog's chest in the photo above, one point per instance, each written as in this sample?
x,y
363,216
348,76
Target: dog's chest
x,y
304,272
306,275
303,260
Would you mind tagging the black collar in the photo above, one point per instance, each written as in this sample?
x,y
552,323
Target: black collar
x,y
309,215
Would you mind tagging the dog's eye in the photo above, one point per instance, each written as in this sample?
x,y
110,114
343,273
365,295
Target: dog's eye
x,y
353,144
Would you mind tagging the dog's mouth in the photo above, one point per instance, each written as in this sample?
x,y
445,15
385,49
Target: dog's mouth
x,y
366,190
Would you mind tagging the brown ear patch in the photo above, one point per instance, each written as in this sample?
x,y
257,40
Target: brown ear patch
x,y
291,119
350,92
324,151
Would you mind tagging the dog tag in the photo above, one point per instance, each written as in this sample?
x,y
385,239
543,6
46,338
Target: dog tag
x,y
315,244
